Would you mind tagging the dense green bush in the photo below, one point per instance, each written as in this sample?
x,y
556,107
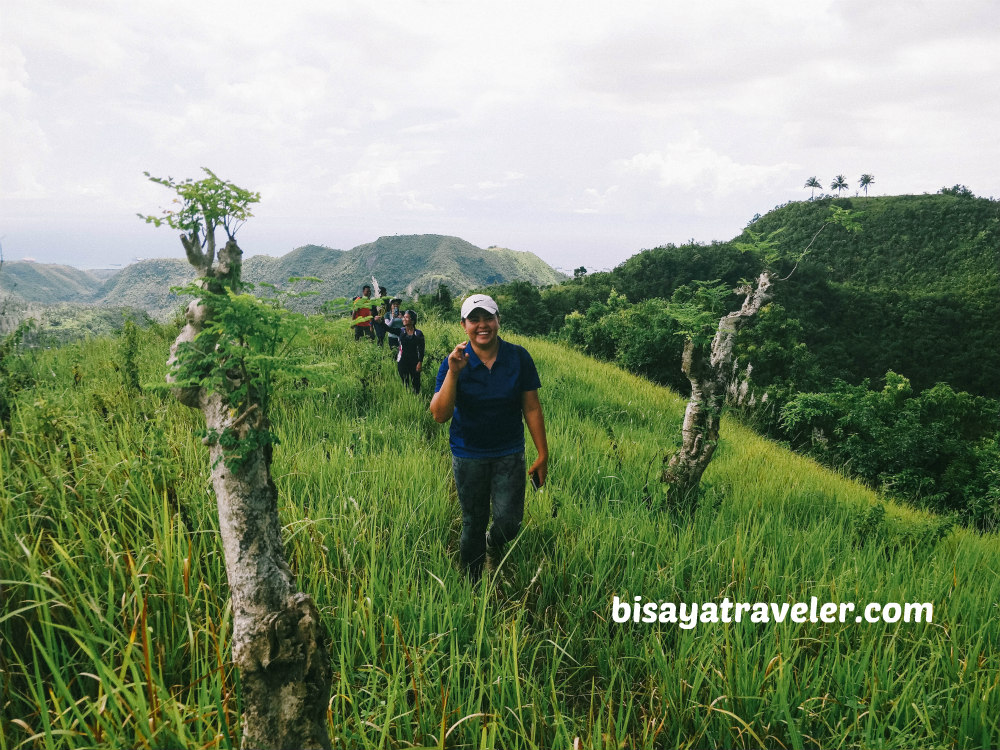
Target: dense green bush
x,y
521,308
15,374
642,338
936,448
575,295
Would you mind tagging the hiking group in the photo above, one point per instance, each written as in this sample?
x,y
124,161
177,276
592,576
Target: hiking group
x,y
406,341
488,389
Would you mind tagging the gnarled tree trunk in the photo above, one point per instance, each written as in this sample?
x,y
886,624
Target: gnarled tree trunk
x,y
278,643
708,368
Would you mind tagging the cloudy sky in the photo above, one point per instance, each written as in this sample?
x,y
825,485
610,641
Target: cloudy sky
x,y
580,131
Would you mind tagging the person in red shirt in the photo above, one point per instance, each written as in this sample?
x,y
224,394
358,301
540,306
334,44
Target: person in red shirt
x,y
363,315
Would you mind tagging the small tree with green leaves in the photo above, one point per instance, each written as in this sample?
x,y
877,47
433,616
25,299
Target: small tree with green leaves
x,y
709,352
865,181
839,183
223,363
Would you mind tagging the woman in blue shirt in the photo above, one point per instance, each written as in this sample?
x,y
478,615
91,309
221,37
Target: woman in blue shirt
x,y
486,387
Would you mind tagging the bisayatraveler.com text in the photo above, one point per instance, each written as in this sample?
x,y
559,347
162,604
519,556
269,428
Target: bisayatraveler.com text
x,y
689,615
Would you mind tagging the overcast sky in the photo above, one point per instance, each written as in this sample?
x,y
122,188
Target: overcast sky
x,y
583,132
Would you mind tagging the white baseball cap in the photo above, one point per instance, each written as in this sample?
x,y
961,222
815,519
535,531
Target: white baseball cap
x,y
481,301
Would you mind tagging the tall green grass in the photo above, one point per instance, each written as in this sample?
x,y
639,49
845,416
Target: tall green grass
x,y
114,621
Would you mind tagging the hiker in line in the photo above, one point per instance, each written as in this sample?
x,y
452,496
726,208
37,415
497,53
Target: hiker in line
x,y
363,314
378,321
393,323
410,359
485,387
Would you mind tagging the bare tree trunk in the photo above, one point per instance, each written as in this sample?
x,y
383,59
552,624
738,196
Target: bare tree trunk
x,y
700,431
708,368
278,643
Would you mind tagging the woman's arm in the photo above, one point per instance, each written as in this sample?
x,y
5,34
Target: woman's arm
x,y
531,407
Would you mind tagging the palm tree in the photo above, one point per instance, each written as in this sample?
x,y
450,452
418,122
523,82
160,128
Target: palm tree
x,y
813,183
865,181
839,184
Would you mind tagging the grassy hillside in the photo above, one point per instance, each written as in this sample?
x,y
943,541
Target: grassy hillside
x,y
114,626
43,282
920,244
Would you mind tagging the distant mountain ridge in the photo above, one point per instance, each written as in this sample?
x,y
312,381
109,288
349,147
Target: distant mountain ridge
x,y
406,265
44,282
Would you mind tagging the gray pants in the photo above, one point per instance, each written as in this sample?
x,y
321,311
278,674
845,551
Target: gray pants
x,y
480,481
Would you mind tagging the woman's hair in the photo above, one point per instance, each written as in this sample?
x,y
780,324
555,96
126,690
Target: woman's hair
x,y
412,314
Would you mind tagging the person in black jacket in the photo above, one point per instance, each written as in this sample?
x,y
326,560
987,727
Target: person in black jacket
x,y
411,351
378,313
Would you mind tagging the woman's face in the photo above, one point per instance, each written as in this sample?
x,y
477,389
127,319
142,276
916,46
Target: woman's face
x,y
481,327
407,321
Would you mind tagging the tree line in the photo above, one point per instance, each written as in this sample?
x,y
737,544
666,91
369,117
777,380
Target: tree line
x,y
839,184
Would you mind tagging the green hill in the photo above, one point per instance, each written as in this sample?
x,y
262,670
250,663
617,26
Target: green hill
x,y
146,286
916,291
115,627
103,274
914,243
407,265
46,283
416,264
309,260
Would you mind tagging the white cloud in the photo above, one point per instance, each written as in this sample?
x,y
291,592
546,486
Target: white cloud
x,y
595,201
695,167
24,147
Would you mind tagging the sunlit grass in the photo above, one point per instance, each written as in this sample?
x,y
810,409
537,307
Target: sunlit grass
x,y
115,623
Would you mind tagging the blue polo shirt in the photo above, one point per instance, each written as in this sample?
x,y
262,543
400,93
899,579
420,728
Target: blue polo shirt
x,y
487,422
